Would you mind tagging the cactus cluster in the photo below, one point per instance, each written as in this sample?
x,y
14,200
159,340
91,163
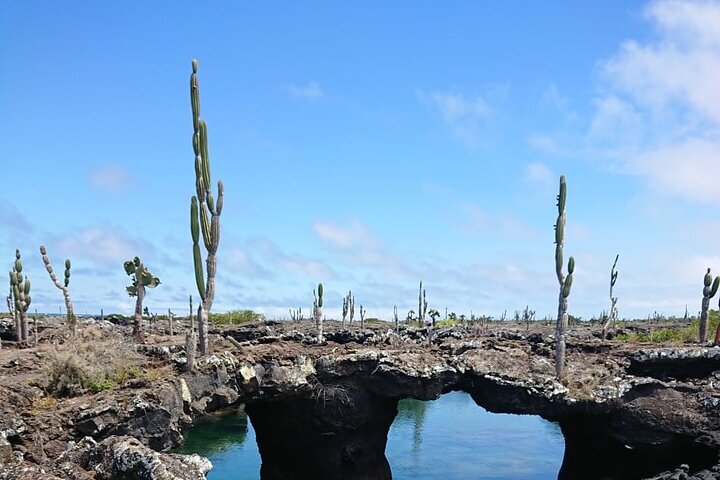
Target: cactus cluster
x,y
317,312
20,287
710,288
141,279
64,287
296,315
564,281
204,214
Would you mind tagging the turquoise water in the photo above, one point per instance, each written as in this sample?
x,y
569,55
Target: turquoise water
x,y
449,438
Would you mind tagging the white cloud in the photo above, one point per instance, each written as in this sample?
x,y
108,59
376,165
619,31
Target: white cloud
x,y
310,91
465,116
112,178
659,116
102,244
353,234
538,172
479,222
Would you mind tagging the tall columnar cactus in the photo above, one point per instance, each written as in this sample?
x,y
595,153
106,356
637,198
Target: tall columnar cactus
x,y
204,215
345,308
422,305
397,320
608,319
351,306
141,279
64,287
296,315
317,312
564,281
710,288
362,317
21,296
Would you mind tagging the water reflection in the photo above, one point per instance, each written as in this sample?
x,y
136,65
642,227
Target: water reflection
x,y
450,438
453,438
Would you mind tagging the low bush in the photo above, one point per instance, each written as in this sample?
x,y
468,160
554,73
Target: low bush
x,y
236,317
82,366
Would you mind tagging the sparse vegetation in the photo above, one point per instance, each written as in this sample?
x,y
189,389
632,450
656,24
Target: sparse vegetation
x,y
237,317
89,365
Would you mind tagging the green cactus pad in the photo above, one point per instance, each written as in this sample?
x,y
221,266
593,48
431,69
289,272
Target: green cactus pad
x,y
567,286
199,277
194,222
571,265
67,264
714,288
707,281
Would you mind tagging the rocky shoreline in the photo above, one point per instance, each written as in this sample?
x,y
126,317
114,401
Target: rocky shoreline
x,y
323,411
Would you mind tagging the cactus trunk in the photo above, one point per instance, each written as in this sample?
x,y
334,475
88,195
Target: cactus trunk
x,y
190,342
560,334
138,332
704,318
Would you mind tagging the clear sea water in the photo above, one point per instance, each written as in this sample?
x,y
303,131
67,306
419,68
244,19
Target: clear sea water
x,y
450,438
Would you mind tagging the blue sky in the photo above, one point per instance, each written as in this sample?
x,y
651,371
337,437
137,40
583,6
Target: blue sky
x,y
367,146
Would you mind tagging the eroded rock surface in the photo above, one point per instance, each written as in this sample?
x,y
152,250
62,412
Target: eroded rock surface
x,y
323,411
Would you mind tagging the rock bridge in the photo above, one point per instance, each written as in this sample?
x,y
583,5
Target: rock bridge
x,y
325,411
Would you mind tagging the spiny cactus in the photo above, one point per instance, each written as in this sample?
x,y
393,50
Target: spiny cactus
x,y
345,308
710,288
21,297
64,287
608,319
317,312
564,281
204,214
190,341
141,279
422,305
351,306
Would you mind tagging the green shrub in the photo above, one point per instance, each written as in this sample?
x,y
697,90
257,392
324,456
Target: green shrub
x,y
236,317
687,334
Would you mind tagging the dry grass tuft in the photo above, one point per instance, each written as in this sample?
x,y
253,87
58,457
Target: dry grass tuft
x,y
89,363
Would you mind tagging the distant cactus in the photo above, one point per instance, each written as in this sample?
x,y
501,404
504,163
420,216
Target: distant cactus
x,y
710,288
395,317
607,320
317,312
433,314
190,341
21,297
204,214
422,305
362,317
351,306
564,281
64,287
141,279
346,307
296,315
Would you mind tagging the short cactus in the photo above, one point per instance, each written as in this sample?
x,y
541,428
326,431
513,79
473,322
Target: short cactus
x,y
64,287
422,305
317,312
710,288
141,279
608,319
564,281
21,296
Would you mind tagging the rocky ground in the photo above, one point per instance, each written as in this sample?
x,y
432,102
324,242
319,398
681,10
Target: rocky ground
x,y
323,411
